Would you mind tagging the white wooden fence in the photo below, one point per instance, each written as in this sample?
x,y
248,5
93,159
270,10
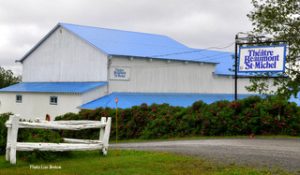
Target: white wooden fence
x,y
14,123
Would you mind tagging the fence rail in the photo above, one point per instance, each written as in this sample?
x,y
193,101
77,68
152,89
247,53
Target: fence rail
x,y
14,123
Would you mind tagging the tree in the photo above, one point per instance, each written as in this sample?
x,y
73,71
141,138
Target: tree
x,y
279,19
7,78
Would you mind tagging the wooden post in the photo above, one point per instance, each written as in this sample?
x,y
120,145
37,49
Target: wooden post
x,y
13,138
101,134
106,136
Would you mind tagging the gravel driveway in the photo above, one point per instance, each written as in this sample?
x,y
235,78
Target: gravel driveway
x,y
275,153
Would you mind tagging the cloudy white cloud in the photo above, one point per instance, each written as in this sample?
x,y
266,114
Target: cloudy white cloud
x,y
196,23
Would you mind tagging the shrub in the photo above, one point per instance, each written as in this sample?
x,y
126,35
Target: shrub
x,y
252,115
3,132
40,135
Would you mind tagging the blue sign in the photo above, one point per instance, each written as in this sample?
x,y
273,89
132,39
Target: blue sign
x,y
119,73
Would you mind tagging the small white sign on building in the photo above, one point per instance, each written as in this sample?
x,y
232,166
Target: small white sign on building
x,y
262,58
119,73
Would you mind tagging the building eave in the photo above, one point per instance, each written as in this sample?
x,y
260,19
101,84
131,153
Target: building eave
x,y
161,59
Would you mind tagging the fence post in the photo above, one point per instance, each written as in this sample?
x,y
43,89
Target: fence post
x,y
101,134
106,136
13,138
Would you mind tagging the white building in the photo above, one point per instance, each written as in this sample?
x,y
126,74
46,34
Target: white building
x,y
76,67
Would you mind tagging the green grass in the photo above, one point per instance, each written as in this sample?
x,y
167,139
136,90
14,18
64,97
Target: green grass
x,y
130,163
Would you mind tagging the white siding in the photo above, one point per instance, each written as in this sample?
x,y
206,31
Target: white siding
x,y
37,105
93,94
65,57
161,76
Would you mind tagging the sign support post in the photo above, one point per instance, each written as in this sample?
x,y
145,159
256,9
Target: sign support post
x,y
116,101
235,67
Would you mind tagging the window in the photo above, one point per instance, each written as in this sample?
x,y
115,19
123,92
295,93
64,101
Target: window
x,y
18,98
53,100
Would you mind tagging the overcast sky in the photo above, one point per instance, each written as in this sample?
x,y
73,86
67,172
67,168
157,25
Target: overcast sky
x,y
195,23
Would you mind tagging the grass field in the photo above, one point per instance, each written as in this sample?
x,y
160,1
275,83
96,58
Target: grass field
x,y
127,163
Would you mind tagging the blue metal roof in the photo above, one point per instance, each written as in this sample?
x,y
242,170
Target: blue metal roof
x,y
126,43
54,87
143,45
127,100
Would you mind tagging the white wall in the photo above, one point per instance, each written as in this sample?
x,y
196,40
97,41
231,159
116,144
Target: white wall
x,y
37,105
93,94
65,57
161,76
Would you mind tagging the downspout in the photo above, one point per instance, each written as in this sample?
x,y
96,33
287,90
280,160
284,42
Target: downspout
x,y
109,60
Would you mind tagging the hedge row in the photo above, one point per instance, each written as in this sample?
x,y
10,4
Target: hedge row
x,y
253,115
